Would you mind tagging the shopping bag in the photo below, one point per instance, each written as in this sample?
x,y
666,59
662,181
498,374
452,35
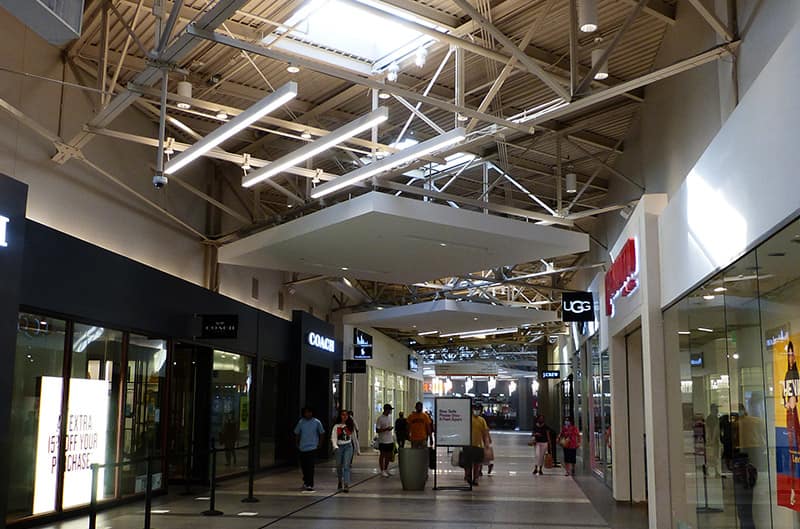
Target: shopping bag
x,y
455,457
488,454
548,460
431,458
375,443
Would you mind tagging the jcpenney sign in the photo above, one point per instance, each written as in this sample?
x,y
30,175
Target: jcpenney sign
x,y
321,342
3,231
622,279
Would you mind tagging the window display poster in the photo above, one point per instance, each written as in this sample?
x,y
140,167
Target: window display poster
x,y
85,441
787,426
453,421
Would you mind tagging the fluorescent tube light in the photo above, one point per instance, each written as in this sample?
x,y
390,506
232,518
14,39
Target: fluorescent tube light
x,y
704,329
310,149
427,333
232,127
464,334
412,153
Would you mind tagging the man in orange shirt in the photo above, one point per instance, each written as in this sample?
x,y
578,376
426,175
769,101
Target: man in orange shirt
x,y
420,427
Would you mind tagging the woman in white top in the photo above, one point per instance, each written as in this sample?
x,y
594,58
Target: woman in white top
x,y
342,442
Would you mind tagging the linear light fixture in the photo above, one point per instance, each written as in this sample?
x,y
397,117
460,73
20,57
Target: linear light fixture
x,y
355,127
490,332
417,151
427,333
248,117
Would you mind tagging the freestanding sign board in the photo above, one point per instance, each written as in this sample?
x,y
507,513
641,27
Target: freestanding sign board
x,y
453,423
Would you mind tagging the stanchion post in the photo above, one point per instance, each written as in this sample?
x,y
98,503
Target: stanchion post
x,y
212,500
148,491
252,476
93,498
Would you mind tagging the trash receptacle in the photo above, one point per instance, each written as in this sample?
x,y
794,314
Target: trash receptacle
x,y
413,468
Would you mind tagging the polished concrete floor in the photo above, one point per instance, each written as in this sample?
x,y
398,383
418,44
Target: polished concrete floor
x,y
509,498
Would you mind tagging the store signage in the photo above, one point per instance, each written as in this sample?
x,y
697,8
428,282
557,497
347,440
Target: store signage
x,y
355,366
485,369
216,326
321,342
622,279
577,306
551,374
453,423
85,441
413,363
362,348
696,360
4,231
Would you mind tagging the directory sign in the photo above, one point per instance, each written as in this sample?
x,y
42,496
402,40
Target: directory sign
x,y
453,421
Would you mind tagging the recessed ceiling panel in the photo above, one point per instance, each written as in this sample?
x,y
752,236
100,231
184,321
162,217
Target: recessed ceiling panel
x,y
450,316
381,237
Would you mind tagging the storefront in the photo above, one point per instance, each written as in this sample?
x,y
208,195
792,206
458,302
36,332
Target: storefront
x,y
736,338
393,376
109,361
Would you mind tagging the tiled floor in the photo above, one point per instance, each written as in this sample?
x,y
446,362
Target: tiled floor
x,y
510,498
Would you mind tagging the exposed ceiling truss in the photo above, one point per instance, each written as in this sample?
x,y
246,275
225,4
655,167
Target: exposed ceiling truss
x,y
516,73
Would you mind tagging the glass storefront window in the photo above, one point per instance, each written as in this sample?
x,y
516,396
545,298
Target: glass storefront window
x,y
92,412
141,432
35,422
738,387
230,410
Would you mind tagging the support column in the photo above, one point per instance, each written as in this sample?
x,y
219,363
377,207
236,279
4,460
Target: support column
x,y
524,404
13,201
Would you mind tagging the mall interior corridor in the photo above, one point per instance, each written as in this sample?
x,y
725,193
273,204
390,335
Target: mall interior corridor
x,y
511,497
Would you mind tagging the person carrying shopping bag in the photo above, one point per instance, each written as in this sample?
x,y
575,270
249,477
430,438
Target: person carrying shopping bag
x,y
540,440
570,440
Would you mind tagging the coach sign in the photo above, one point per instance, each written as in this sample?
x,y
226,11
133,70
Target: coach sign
x,y
622,279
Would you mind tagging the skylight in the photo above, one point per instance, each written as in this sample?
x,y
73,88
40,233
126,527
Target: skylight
x,y
350,29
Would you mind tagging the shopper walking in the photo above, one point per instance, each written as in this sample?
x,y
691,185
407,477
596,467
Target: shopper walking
x,y
420,427
308,435
401,430
383,427
540,440
342,443
570,440
473,455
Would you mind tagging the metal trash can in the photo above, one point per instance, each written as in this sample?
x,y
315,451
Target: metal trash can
x,y
413,468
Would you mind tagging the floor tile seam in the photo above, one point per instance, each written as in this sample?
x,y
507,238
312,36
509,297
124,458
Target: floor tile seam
x,y
417,497
450,521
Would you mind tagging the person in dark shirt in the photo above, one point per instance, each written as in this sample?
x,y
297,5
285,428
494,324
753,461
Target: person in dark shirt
x,y
401,430
540,440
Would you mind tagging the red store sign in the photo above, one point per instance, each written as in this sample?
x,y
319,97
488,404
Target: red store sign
x,y
622,279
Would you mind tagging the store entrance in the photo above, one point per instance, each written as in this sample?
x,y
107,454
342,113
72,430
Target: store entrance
x,y
318,391
188,434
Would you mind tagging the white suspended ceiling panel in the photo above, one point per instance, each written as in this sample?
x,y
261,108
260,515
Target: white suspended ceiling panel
x,y
450,316
382,237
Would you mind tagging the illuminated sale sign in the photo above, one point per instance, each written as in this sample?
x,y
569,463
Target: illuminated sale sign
x,y
85,441
622,279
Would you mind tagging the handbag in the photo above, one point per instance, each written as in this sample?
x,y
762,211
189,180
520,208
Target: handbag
x,y
563,441
488,453
376,444
548,460
431,458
